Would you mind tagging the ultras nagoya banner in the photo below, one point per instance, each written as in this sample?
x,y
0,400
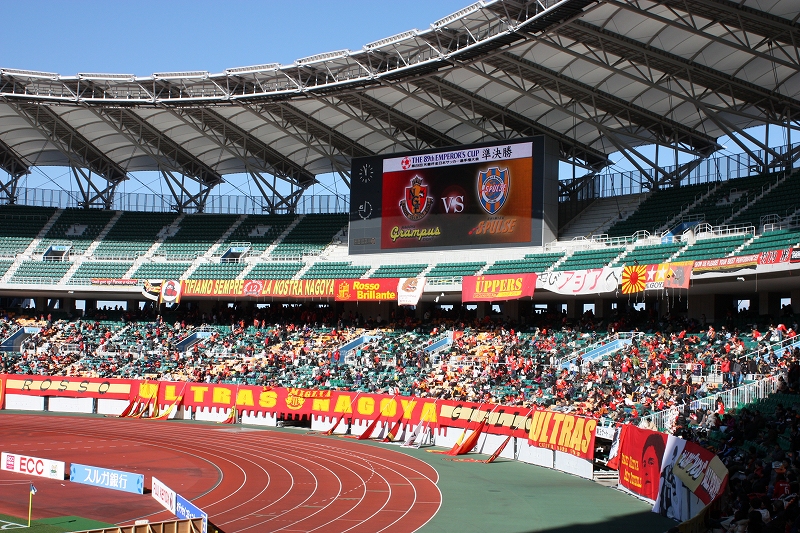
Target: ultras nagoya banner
x,y
262,288
290,402
366,290
497,287
564,433
463,197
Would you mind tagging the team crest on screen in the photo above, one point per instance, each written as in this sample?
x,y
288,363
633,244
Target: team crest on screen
x,y
493,188
417,202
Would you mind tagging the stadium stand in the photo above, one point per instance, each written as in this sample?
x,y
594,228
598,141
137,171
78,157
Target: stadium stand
x,y
588,259
43,272
261,231
660,208
194,235
274,270
772,240
218,271
399,271
334,270
714,247
132,235
780,201
531,263
447,270
19,225
161,270
78,226
310,236
649,254
99,269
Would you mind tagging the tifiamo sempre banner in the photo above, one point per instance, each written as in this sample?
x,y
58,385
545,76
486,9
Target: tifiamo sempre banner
x,y
366,290
563,432
263,288
497,287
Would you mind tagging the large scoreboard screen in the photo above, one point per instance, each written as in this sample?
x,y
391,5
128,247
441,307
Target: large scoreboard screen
x,y
495,194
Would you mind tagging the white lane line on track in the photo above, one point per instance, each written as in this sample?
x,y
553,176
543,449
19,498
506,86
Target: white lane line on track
x,y
346,455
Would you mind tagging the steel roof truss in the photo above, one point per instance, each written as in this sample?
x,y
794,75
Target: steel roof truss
x,y
68,140
509,119
168,152
185,200
91,194
284,203
661,127
11,162
316,128
741,17
244,146
632,52
303,137
691,27
370,107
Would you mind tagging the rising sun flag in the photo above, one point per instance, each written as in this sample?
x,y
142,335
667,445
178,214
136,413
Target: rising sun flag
x,y
633,279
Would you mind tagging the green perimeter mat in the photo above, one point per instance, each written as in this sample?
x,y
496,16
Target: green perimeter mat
x,y
513,497
59,524
503,497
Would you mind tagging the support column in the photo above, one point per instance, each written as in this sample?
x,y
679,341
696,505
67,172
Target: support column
x,y
703,306
795,296
769,303
573,307
511,310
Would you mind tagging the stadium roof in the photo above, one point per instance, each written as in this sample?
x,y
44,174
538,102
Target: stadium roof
x,y
598,76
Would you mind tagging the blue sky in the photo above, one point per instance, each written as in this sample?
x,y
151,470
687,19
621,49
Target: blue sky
x,y
78,36
144,37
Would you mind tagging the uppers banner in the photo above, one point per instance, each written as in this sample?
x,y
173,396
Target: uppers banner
x,y
497,287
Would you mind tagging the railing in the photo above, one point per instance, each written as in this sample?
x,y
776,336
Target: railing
x,y
712,170
731,399
608,339
234,204
710,232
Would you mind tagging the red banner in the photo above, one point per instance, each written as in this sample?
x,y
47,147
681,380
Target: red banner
x,y
774,257
497,287
115,282
273,288
563,432
500,419
640,454
366,290
69,387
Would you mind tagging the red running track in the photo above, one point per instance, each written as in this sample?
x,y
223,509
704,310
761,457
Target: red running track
x,y
245,479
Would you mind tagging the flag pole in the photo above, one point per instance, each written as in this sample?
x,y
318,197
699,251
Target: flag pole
x,y
30,505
